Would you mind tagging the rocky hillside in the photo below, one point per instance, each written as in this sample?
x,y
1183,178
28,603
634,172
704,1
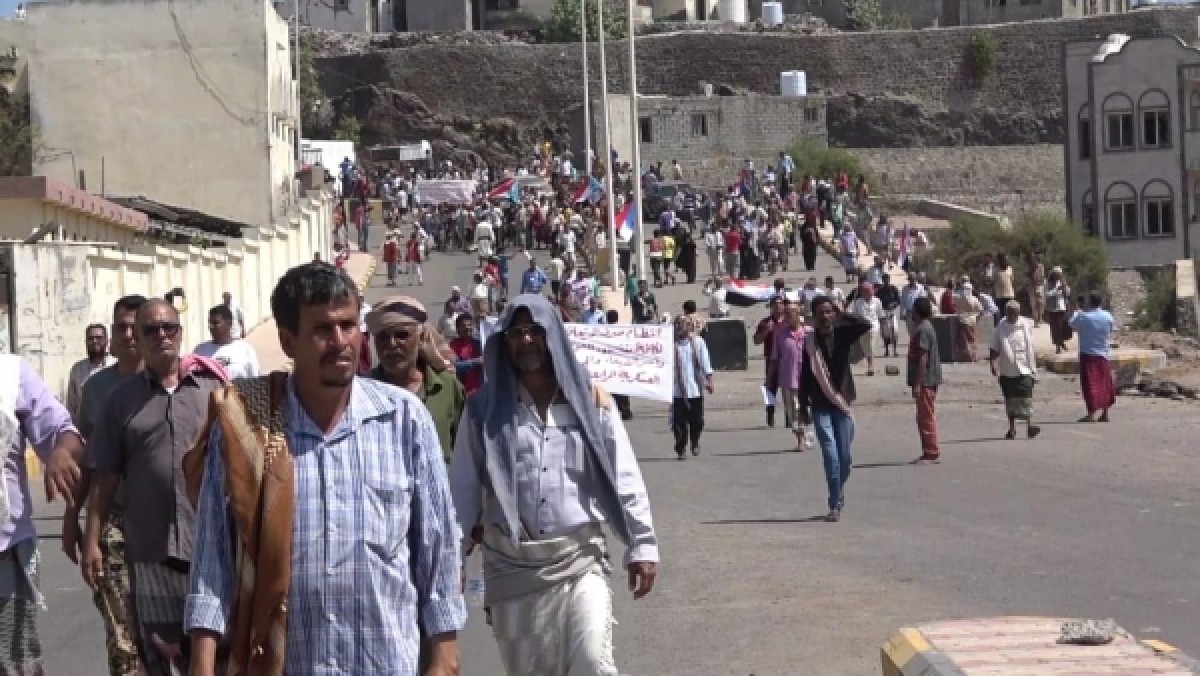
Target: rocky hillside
x,y
490,96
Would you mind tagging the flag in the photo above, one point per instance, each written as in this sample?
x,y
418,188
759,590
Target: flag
x,y
740,294
626,222
504,189
590,190
514,193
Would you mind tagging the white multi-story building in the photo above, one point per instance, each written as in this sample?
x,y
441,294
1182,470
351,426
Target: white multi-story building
x,y
1132,108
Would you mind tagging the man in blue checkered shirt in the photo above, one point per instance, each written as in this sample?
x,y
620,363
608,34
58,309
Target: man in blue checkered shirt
x,y
374,557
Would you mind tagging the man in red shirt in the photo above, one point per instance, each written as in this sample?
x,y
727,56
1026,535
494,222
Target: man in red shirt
x,y
468,354
391,252
764,335
733,251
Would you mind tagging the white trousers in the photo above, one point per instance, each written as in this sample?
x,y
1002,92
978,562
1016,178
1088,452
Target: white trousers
x,y
564,631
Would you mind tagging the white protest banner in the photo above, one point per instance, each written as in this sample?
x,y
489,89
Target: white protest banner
x,y
637,360
446,191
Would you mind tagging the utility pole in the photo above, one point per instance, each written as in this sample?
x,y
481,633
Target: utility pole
x,y
636,134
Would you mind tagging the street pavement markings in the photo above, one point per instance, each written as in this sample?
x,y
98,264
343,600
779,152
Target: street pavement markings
x,y
1012,646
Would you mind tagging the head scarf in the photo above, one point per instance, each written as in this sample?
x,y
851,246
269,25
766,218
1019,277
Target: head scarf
x,y
498,398
408,311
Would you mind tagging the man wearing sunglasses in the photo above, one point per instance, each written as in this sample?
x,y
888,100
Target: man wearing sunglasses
x,y
149,422
541,464
410,358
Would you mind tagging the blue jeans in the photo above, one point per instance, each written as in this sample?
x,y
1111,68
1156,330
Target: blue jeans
x,y
835,433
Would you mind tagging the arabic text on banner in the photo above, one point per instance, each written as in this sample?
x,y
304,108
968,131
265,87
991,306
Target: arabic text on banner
x,y
637,360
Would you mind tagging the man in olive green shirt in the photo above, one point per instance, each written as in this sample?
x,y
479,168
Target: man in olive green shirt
x,y
411,359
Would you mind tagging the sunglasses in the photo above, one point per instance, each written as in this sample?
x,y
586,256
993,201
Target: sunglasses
x,y
522,332
168,329
400,335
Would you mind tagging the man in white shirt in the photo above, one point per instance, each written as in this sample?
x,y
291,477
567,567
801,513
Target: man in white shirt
x,y
868,307
96,345
714,246
546,561
239,319
566,242
236,355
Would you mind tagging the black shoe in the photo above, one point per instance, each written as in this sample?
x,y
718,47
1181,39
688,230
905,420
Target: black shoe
x,y
682,455
770,417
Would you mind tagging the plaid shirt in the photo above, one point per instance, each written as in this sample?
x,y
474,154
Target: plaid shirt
x,y
374,540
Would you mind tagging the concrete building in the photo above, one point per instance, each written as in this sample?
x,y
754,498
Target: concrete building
x,y
194,104
93,251
709,135
685,10
348,16
929,13
1132,151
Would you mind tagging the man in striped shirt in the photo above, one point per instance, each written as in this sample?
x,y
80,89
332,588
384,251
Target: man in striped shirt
x,y
376,557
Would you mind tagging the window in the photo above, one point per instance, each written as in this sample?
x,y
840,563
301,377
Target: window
x,y
1087,215
1194,116
341,5
812,114
1118,117
1120,203
699,124
1085,133
645,130
1031,2
1159,209
1155,109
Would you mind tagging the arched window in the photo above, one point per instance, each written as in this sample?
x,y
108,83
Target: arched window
x,y
1085,132
1118,123
1120,205
1155,110
1087,214
1194,105
1159,209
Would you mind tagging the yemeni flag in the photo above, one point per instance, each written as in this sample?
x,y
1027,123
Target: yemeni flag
x,y
589,190
504,189
626,221
740,294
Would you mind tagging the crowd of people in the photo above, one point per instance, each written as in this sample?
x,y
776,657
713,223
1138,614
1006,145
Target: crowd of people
x,y
318,521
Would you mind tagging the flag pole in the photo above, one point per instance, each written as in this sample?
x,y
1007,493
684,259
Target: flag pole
x,y
635,133
587,104
608,163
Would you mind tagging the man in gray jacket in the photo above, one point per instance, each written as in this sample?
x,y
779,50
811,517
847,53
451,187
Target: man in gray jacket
x,y
541,463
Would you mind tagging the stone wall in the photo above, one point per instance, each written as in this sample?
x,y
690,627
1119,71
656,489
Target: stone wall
x,y
1005,180
890,88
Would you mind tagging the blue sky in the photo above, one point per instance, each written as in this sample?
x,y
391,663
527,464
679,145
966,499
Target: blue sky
x,y
7,7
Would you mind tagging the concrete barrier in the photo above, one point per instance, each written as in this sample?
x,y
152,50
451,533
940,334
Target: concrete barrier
x,y
1067,363
955,213
1187,308
728,345
1015,646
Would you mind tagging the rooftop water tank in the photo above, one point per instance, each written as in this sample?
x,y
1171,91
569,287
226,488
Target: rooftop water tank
x,y
772,13
793,84
732,10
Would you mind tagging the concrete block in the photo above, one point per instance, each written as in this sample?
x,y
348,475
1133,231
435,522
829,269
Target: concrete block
x,y
1016,646
1068,362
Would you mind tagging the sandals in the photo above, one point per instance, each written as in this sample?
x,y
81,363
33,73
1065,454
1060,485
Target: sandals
x,y
1010,435
928,460
833,516
1033,431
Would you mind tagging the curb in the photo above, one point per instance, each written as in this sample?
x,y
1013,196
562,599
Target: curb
x,y
33,465
1019,645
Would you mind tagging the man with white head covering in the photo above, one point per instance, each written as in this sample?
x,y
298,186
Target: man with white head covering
x,y
541,463
1014,364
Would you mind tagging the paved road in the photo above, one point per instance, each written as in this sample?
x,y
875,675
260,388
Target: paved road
x,y
1095,520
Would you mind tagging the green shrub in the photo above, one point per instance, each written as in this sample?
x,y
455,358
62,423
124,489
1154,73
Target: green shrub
x,y
813,159
1156,310
563,24
981,56
961,249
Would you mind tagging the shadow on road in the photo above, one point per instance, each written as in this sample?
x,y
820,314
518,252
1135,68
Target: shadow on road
x,y
735,522
748,454
874,465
